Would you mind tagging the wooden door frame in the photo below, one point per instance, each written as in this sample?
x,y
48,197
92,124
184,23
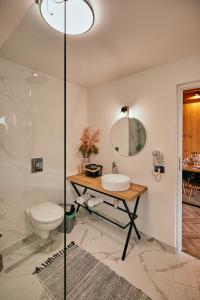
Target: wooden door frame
x,y
180,89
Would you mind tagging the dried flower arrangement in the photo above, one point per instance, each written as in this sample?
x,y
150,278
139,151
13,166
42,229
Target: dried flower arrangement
x,y
88,141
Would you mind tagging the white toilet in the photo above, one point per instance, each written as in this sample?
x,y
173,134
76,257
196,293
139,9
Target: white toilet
x,y
44,218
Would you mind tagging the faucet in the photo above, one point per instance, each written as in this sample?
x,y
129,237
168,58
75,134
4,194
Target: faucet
x,y
114,168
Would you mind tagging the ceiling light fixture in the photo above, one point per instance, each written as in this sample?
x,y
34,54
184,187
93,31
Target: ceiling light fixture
x,y
196,95
79,15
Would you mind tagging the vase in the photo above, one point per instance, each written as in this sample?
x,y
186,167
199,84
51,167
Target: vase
x,y
85,161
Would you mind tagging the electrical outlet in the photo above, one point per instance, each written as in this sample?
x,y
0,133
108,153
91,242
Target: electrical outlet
x,y
161,168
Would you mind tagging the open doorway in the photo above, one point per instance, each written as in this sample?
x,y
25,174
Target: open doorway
x,y
191,172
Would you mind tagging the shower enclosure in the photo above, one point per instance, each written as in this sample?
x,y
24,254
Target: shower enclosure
x,y
31,126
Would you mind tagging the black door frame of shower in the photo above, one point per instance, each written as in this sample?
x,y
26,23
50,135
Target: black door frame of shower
x,y
65,149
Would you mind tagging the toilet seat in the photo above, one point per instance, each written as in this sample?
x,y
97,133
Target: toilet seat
x,y
46,212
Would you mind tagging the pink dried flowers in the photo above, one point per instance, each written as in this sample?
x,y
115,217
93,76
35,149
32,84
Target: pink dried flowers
x,y
88,142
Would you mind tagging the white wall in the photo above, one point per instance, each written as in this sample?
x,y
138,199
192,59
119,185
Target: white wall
x,y
15,12
151,96
33,110
76,121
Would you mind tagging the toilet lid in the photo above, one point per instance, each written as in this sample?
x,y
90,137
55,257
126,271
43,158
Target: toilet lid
x,y
47,212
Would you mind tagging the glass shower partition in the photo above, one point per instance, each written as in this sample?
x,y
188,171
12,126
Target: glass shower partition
x,y
31,127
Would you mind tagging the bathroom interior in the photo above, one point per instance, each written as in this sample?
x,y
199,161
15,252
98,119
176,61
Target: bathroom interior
x,y
93,120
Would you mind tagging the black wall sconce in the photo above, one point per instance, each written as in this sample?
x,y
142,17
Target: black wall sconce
x,y
125,109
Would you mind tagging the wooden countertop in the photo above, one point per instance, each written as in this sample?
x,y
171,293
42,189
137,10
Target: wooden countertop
x,y
190,168
95,184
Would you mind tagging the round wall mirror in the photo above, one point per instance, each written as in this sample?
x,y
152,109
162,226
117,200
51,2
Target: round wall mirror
x,y
128,136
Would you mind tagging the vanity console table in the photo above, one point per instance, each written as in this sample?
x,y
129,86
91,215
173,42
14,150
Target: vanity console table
x,y
131,195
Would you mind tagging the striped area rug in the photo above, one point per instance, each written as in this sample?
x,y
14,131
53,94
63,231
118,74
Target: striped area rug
x,y
87,278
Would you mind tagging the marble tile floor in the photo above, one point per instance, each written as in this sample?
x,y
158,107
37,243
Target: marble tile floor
x,y
148,266
21,254
19,283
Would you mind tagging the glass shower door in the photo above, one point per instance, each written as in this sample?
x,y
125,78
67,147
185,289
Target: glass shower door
x,y
31,156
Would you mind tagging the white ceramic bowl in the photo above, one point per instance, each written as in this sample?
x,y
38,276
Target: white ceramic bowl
x,y
116,182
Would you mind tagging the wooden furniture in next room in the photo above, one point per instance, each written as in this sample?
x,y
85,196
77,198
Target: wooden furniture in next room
x,y
191,168
191,184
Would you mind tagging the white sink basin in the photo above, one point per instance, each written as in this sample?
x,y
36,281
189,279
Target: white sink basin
x,y
116,182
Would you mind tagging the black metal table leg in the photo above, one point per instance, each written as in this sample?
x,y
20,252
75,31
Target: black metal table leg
x,y
132,215
77,209
77,191
79,194
85,189
132,225
86,206
127,242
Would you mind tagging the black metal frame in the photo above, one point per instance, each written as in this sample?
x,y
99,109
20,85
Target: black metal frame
x,y
191,204
65,150
132,215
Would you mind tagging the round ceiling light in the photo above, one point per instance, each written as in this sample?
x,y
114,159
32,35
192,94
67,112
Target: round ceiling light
x,y
79,15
